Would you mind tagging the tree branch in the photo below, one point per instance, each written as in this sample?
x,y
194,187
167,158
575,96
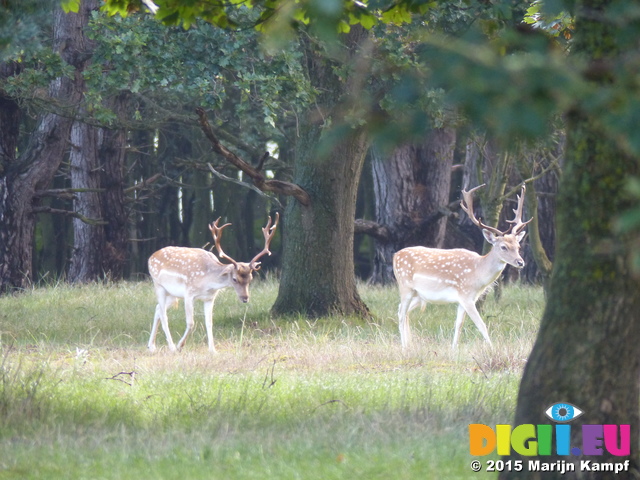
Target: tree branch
x,y
275,186
383,234
69,213
374,229
144,184
66,193
221,176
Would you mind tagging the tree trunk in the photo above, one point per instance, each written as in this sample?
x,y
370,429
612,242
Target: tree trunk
x,y
317,268
318,275
586,352
411,186
88,233
33,170
111,154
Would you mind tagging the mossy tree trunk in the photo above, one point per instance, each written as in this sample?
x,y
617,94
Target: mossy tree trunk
x,y
586,352
318,275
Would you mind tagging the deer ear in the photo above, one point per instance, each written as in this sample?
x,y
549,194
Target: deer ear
x,y
228,269
489,236
520,236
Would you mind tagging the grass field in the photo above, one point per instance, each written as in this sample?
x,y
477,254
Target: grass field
x,y
81,397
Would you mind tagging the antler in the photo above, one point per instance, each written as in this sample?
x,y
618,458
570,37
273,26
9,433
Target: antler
x,y
518,224
467,206
268,233
216,231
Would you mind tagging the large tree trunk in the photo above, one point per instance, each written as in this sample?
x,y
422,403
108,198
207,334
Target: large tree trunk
x,y
318,275
586,352
33,170
411,186
317,269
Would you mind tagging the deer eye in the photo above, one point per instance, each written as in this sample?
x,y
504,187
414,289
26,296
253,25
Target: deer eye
x,y
235,280
503,248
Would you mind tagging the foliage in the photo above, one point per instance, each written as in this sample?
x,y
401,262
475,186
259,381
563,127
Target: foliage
x,y
543,17
628,223
21,26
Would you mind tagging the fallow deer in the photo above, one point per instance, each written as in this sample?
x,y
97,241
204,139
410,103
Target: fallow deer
x,y
196,274
431,275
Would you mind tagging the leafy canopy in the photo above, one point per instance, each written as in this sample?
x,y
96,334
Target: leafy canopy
x,y
327,17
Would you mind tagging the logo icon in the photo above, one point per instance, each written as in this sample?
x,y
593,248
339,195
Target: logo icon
x,y
563,412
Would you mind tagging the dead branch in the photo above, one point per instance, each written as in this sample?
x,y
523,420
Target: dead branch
x,y
144,184
374,229
66,193
268,383
131,375
222,176
384,235
275,186
69,213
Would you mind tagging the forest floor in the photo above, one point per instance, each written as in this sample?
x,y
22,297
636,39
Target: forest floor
x,y
283,398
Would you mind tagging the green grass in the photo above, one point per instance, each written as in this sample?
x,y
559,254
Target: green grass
x,y
81,397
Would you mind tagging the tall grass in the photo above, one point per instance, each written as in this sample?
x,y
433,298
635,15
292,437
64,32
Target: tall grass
x,y
80,396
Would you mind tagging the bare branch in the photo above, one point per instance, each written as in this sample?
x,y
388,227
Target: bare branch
x,y
222,176
144,184
66,193
275,186
374,229
69,213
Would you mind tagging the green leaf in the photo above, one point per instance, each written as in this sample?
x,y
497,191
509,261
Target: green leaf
x,y
368,21
343,27
71,6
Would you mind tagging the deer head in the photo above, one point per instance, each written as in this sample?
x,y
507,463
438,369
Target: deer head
x,y
241,273
506,244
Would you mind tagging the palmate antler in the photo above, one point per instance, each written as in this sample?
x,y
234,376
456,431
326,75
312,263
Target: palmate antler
x,y
268,231
467,205
517,222
216,232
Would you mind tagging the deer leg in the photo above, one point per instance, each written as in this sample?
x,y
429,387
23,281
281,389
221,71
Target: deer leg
x,y
164,301
208,320
188,313
459,321
154,328
408,302
471,309
165,325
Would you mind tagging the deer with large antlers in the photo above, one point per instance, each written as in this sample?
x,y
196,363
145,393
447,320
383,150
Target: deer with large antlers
x,y
196,274
431,275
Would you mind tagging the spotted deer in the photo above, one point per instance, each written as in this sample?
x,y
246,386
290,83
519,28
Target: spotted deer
x,y
432,275
196,274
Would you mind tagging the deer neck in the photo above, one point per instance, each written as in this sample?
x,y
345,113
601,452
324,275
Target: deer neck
x,y
490,267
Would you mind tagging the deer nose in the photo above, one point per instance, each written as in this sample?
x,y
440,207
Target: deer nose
x,y
520,263
244,299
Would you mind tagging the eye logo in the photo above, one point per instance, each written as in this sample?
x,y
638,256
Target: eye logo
x,y
563,412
